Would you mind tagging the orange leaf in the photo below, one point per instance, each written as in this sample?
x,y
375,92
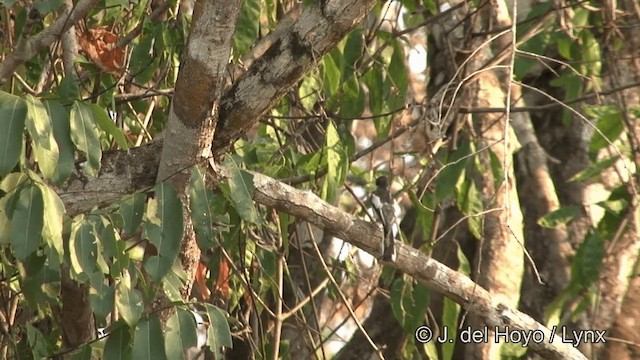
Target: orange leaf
x,y
100,46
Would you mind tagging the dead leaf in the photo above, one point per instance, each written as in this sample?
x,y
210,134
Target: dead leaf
x,y
100,46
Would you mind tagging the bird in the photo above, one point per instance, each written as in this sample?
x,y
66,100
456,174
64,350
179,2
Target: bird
x,y
384,207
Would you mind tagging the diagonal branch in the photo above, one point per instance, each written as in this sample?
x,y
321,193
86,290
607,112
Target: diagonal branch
x,y
291,55
28,48
309,207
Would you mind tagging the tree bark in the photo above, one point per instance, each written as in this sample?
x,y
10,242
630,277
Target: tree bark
x,y
194,115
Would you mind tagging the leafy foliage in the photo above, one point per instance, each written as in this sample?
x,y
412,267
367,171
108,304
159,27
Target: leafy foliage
x,y
357,114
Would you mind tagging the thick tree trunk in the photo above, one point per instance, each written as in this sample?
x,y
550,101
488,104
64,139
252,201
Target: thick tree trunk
x,y
194,115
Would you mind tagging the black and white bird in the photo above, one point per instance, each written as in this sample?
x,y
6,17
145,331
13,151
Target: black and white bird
x,y
384,206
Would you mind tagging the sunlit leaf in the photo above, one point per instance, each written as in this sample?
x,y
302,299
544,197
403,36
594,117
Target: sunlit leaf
x,y
83,248
450,313
85,135
308,91
128,300
594,170
336,160
166,235
557,217
13,113
107,125
53,217
40,128
331,75
609,124
28,218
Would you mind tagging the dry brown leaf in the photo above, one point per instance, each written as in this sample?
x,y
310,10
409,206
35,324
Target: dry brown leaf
x,y
99,45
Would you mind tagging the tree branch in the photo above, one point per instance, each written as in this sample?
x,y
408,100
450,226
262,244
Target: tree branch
x,y
28,48
318,30
309,207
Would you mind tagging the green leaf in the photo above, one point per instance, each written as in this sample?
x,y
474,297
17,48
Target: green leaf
x,y
448,178
11,185
181,334
131,210
337,164
241,192
41,130
85,135
353,48
41,278
5,220
128,300
218,333
13,113
374,80
173,282
308,91
450,313
53,217
118,346
37,342
594,170
424,214
609,125
115,248
353,102
557,217
409,302
142,64
45,7
207,210
397,83
469,201
330,75
148,341
83,248
62,133
164,231
107,125
246,28
83,354
101,295
463,263
588,260
27,217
